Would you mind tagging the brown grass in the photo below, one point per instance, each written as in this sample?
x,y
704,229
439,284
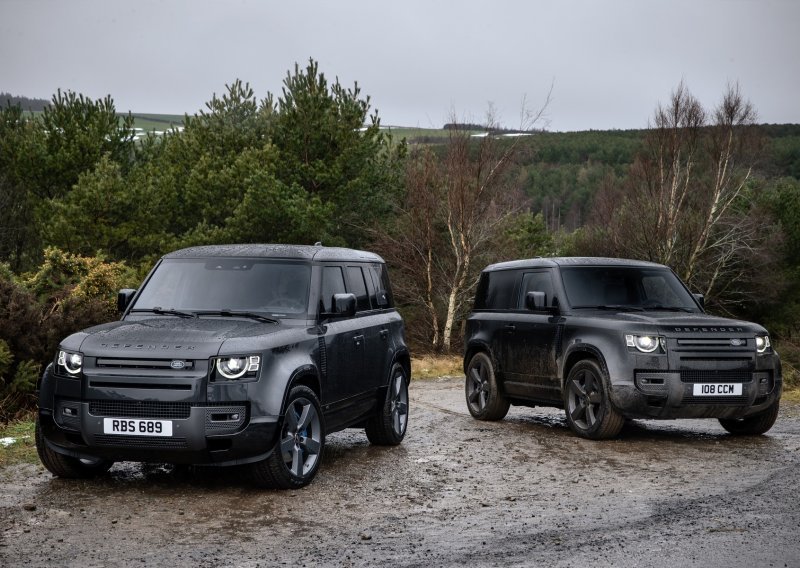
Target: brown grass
x,y
434,366
23,450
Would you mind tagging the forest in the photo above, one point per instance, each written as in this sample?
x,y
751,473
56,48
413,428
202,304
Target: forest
x,y
87,207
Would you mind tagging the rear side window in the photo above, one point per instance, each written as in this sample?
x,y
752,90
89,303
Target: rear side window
x,y
496,290
539,281
382,297
357,286
332,283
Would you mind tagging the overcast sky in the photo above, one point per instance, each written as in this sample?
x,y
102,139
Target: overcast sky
x,y
610,62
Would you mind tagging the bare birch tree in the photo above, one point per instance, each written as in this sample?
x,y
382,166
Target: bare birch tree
x,y
685,202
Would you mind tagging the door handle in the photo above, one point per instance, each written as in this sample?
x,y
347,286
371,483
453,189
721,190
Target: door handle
x,y
384,333
357,339
510,327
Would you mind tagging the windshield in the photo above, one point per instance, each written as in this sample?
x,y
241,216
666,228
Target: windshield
x,y
626,287
268,287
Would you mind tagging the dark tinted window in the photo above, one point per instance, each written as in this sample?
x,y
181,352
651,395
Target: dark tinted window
x,y
537,282
379,293
625,286
496,290
332,283
265,286
357,286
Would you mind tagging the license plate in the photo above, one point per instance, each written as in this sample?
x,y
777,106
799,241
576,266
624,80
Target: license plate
x,y
717,389
137,427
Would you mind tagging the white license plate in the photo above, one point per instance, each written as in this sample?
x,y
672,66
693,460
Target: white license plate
x,y
717,389
137,427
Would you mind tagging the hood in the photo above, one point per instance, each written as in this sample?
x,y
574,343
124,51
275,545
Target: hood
x,y
167,336
672,323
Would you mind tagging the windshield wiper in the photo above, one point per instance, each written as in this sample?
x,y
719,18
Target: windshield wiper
x,y
669,308
233,313
616,307
158,310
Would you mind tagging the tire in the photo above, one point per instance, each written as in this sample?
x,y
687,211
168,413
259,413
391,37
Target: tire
x,y
68,467
388,428
297,453
587,405
484,399
752,425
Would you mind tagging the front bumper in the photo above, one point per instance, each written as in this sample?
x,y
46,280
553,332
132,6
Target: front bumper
x,y
197,439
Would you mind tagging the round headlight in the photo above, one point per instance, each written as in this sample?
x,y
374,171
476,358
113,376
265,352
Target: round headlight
x,y
232,367
646,343
762,343
71,362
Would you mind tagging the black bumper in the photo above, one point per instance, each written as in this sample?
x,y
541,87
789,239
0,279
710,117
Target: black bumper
x,y
197,439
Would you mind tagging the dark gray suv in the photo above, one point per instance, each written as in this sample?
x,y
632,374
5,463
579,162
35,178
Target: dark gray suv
x,y
609,339
229,355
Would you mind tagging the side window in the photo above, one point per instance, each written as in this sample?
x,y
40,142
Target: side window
x,y
539,281
382,297
332,283
496,290
357,285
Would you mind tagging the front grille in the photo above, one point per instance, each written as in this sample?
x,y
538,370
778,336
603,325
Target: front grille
x,y
145,442
714,376
140,409
180,364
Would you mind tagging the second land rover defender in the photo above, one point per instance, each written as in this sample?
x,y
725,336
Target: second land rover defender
x,y
610,339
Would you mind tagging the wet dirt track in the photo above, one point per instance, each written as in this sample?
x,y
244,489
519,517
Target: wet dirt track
x,y
521,492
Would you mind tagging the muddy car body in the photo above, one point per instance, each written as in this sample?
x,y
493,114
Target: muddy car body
x,y
240,354
610,339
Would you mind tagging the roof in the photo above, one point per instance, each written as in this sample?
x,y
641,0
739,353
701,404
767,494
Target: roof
x,y
302,252
570,261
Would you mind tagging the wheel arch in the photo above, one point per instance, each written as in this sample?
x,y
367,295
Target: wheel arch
x,y
581,353
306,376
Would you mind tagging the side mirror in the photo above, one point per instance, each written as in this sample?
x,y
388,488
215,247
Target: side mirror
x,y
536,301
124,298
701,299
344,305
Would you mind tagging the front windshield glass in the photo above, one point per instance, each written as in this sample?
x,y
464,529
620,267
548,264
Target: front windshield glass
x,y
626,287
269,287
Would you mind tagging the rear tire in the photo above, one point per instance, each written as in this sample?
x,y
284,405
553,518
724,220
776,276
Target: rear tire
x,y
68,467
587,404
752,425
297,453
389,427
484,399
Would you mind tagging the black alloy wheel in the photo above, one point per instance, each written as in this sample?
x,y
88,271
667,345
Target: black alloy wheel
x,y
484,399
587,405
389,427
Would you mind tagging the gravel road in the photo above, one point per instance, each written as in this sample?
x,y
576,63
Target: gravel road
x,y
520,492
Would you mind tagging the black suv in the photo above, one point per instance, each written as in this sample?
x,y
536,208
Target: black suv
x,y
609,339
228,355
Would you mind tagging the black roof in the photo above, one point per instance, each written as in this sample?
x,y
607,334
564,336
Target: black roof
x,y
570,261
302,252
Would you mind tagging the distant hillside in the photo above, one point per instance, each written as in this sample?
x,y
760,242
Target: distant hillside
x,y
24,102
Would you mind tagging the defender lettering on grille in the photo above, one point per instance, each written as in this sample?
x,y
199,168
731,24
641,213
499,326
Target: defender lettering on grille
x,y
708,329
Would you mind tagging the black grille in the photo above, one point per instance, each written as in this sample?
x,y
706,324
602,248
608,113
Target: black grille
x,y
218,418
140,409
713,376
140,441
181,364
724,400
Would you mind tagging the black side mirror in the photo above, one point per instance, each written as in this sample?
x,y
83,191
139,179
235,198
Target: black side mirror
x,y
701,299
124,298
344,305
536,301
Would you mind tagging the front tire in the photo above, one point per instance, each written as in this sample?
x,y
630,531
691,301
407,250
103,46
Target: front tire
x,y
484,399
752,425
587,405
297,454
389,427
68,467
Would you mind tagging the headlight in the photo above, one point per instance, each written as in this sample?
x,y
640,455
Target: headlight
x,y
237,367
644,343
762,343
70,363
